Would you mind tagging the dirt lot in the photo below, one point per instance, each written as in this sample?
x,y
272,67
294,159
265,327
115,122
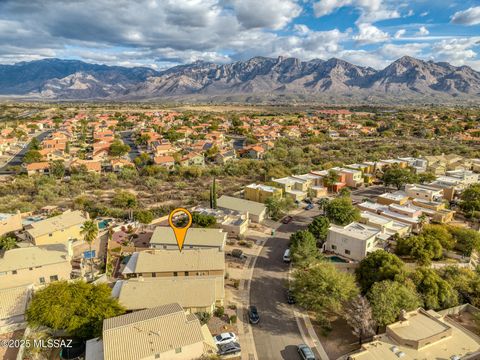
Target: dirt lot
x,y
339,341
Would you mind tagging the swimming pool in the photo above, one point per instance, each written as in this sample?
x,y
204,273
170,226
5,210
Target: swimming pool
x,y
336,259
103,224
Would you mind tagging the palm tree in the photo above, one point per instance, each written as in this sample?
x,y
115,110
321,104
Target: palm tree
x,y
90,233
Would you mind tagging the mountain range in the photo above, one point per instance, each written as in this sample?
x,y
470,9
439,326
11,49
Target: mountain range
x,y
258,79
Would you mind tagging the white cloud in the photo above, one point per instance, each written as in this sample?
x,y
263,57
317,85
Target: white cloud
x,y
274,14
455,51
399,33
470,16
369,34
371,10
425,13
423,31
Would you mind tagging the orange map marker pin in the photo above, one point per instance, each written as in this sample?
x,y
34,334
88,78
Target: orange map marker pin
x,y
180,232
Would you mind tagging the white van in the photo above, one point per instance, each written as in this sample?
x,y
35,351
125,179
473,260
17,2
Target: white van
x,y
286,256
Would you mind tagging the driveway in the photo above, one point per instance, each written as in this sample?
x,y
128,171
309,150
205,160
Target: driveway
x,y
277,334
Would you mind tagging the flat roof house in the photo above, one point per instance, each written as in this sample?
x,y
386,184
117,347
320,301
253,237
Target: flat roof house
x,y
58,229
194,294
353,241
260,193
256,211
421,334
33,265
163,237
163,332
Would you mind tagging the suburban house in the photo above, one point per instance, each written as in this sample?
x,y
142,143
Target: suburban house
x,y
193,158
423,192
10,222
260,193
41,168
164,160
224,156
353,178
167,263
256,211
197,238
151,332
194,294
387,226
34,265
398,197
353,241
57,229
232,222
421,334
396,212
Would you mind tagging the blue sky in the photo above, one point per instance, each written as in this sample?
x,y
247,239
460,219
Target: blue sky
x,y
163,33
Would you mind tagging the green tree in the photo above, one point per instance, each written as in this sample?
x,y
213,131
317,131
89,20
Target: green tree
x,y
319,228
435,292
213,195
323,289
422,248
341,211
142,160
118,148
75,307
276,207
330,179
144,216
441,233
466,240
465,281
124,200
426,177
90,233
398,177
322,203
32,156
388,298
57,169
303,246
202,220
34,144
8,243
378,266
470,199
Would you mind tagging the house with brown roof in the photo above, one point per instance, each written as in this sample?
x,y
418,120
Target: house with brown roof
x,y
90,165
192,158
166,160
42,167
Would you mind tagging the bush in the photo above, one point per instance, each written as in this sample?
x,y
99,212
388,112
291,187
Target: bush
x,y
204,317
219,311
236,283
233,319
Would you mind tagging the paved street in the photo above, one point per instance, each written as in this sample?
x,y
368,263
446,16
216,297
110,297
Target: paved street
x,y
16,160
277,334
127,139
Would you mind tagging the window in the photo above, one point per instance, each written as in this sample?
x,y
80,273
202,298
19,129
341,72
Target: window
x,y
347,252
50,234
54,278
334,247
175,273
178,350
186,273
30,269
14,272
41,280
154,274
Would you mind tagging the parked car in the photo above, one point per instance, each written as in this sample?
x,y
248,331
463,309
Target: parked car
x,y
290,297
253,316
309,207
224,338
286,256
229,348
287,219
305,352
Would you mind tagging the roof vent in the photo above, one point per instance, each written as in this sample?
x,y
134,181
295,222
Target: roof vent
x,y
400,354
